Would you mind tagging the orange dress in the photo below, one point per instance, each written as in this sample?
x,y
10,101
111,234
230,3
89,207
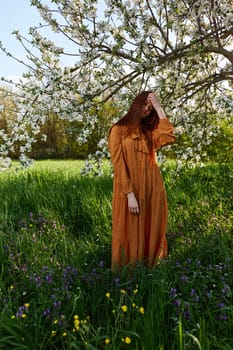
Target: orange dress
x,y
142,237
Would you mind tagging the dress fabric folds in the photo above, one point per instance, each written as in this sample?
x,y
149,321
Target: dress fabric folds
x,y
141,237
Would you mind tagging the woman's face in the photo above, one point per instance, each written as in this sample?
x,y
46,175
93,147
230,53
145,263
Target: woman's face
x,y
147,108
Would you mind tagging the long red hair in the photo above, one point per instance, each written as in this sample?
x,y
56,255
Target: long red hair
x,y
132,119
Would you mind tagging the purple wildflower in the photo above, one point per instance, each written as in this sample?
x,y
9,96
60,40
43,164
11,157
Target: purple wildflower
x,y
223,317
173,292
49,278
177,302
47,312
187,315
38,281
184,278
226,290
57,303
220,305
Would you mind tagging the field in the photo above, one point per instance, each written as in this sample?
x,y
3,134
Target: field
x,y
57,290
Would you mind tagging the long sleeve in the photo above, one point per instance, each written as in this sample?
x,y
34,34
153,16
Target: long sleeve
x,y
121,174
163,134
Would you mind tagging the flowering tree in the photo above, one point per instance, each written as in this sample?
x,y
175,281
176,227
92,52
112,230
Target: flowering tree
x,y
181,49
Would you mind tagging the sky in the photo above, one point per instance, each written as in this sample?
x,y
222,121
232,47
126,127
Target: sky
x,y
17,15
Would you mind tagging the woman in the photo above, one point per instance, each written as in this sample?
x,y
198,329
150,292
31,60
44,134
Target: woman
x,y
139,208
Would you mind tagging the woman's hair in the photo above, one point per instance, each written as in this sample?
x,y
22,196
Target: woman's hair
x,y
132,119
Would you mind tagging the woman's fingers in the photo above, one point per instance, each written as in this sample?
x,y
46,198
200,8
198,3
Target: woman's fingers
x,y
134,210
153,99
133,204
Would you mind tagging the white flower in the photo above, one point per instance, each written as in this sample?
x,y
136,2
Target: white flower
x,y
101,143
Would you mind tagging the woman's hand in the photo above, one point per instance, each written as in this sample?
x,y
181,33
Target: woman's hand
x,y
132,203
154,100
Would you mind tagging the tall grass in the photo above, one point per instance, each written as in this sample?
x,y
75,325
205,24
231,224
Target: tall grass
x,y
57,290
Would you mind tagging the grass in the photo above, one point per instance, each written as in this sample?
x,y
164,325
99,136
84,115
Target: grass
x,y
57,290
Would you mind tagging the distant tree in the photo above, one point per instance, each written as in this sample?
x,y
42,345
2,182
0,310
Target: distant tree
x,y
8,112
58,137
8,109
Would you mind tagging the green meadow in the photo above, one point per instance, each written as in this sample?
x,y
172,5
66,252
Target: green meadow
x,y
56,287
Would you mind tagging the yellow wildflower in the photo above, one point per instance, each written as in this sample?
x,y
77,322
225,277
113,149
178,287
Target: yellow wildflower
x,y
113,311
64,334
127,340
135,291
107,341
55,321
75,317
77,324
124,308
53,333
141,310
13,316
123,291
24,316
133,305
27,305
107,295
